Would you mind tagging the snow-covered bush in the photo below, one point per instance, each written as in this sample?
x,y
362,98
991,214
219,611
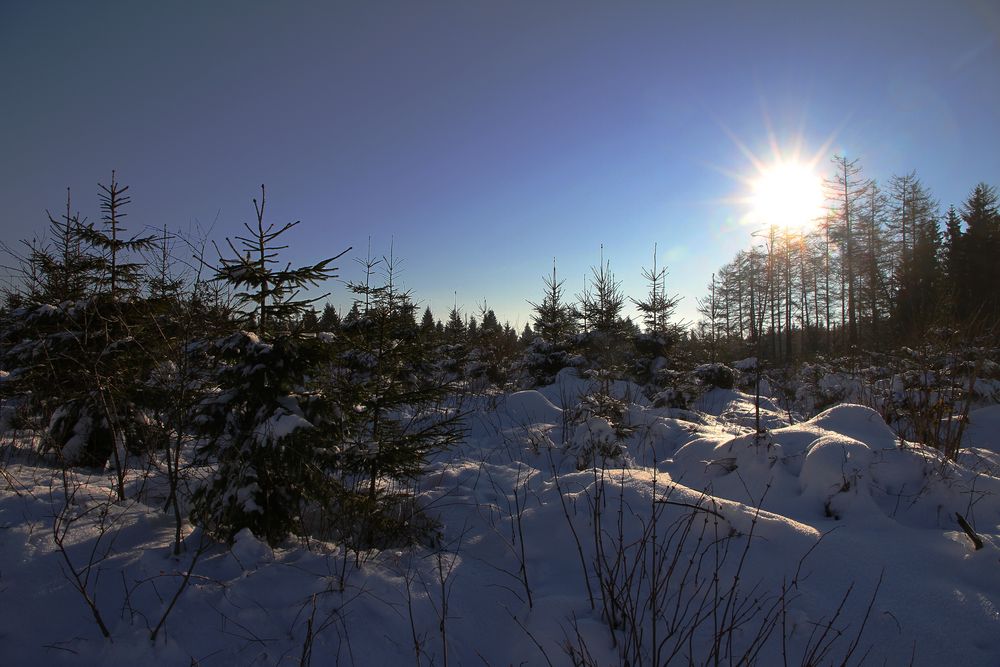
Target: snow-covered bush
x,y
681,388
715,375
493,353
543,360
600,428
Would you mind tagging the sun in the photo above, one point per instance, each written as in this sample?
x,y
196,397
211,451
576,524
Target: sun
x,y
786,194
782,188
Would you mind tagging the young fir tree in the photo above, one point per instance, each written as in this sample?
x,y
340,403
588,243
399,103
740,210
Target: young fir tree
x,y
601,303
428,329
64,264
658,306
50,274
553,320
352,315
119,277
453,348
80,360
329,320
527,335
491,357
310,321
385,409
553,327
660,334
455,330
709,328
258,424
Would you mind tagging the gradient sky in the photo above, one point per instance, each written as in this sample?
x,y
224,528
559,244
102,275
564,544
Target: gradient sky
x,y
484,138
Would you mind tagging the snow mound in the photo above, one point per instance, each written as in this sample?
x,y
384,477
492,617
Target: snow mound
x,y
858,422
738,408
836,475
531,407
843,466
249,551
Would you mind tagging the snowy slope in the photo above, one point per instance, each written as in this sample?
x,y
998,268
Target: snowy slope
x,y
825,541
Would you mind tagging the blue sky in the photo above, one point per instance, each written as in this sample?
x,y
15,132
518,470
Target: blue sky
x,y
483,139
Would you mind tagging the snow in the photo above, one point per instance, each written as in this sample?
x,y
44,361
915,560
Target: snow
x,y
787,524
249,551
280,425
984,428
531,407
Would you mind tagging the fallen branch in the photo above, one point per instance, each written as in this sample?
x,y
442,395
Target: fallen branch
x,y
976,540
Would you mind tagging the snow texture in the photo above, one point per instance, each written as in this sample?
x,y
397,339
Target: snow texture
x,y
830,507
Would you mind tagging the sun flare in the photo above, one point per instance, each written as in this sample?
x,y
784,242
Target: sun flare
x,y
787,194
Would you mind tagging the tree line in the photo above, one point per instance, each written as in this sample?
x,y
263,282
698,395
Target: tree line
x,y
882,267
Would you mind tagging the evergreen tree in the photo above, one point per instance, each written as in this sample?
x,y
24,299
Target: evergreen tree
x,y
916,271
602,307
912,213
554,326
660,334
980,249
65,268
329,320
111,267
954,261
492,354
658,307
509,338
917,299
352,315
271,293
454,330
453,347
606,340
490,325
80,362
258,423
709,326
553,319
310,320
385,408
527,335
164,286
874,260
428,330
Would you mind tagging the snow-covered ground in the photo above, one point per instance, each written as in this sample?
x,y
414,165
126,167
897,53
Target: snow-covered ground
x,y
824,542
